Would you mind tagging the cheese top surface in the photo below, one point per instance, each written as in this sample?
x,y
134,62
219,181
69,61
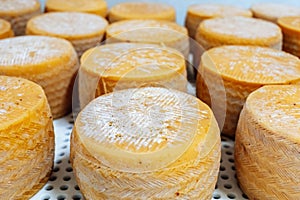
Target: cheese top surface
x,y
144,129
18,7
133,61
251,64
277,108
5,27
18,97
217,10
69,25
152,31
290,23
33,54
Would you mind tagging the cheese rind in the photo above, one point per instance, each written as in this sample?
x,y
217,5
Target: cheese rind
x,y
5,29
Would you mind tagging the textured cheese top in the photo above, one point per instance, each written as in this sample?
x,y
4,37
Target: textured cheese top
x,y
133,61
98,7
69,25
18,7
18,97
33,54
290,23
253,64
152,31
5,29
277,108
144,129
217,10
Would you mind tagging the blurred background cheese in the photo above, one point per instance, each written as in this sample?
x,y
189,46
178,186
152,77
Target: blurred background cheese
x,y
5,29
268,143
146,143
26,138
18,12
83,30
237,71
50,62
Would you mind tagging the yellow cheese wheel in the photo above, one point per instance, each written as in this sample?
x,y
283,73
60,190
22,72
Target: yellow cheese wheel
x,y
26,138
146,143
290,27
98,7
233,72
238,31
5,29
18,12
273,11
196,13
268,143
83,30
50,62
141,10
129,65
150,31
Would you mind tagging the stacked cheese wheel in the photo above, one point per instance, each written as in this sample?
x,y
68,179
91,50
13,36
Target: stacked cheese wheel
x,y
146,143
5,29
26,138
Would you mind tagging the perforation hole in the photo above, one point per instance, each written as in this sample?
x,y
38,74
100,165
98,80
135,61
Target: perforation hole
x,y
76,197
227,186
61,197
216,196
224,176
231,196
66,178
49,188
55,169
63,187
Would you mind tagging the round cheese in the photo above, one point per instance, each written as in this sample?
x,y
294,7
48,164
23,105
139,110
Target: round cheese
x,y
238,31
5,29
129,65
146,143
268,143
141,10
98,7
50,62
26,138
83,30
228,74
198,12
150,31
18,12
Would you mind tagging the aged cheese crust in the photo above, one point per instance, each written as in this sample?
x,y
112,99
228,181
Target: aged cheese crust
x,y
5,29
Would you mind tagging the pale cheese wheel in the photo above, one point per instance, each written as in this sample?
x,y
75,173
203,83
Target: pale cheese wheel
x,y
83,30
98,7
141,10
50,62
159,32
233,72
18,12
196,13
238,31
119,66
267,143
5,29
146,143
26,138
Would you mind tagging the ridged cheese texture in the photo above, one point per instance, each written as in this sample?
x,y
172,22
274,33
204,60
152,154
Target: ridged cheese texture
x,y
149,31
141,10
18,12
26,138
83,30
268,143
290,27
273,11
5,29
235,72
98,7
196,13
146,143
118,66
238,31
50,62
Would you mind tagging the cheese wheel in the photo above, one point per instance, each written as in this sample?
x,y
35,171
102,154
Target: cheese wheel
x,y
5,29
149,143
141,10
233,72
18,12
119,66
50,62
238,31
196,13
267,143
290,27
98,7
150,31
272,11
26,138
83,30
